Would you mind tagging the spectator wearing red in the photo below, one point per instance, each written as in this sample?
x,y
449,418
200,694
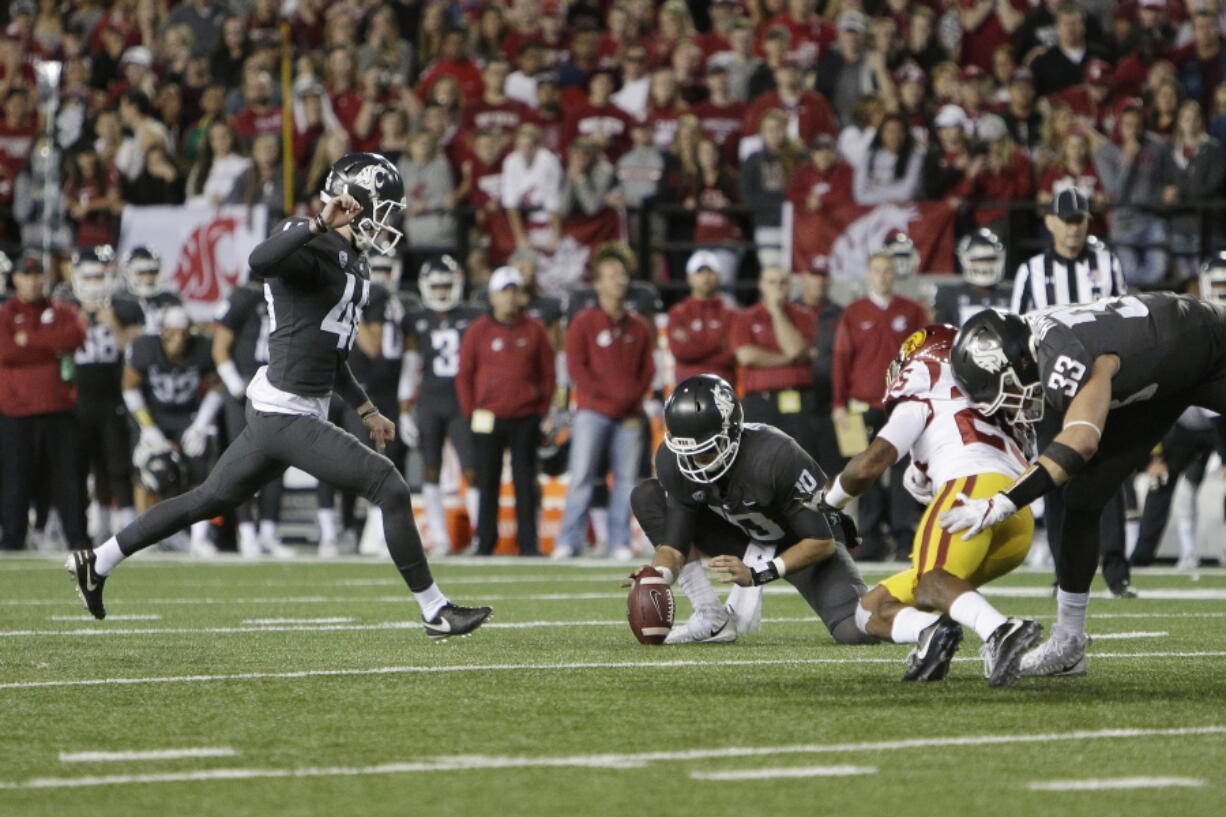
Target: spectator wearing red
x,y
524,26
687,65
481,176
1075,169
699,326
912,85
341,82
93,198
987,25
870,331
720,116
505,384
1151,38
609,356
1003,173
1202,63
822,183
550,117
552,34
494,111
808,112
718,39
710,190
1061,65
809,35
454,62
619,35
1093,98
673,24
17,129
598,119
664,106
38,433
259,115
773,342
973,89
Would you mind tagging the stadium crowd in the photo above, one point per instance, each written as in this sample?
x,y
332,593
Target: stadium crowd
x,y
516,122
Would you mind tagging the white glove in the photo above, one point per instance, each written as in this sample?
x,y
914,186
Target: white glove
x,y
917,484
234,382
152,438
408,429
194,440
653,408
975,515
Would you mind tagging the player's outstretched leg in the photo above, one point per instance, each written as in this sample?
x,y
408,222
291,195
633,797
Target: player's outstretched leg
x,y
242,469
882,614
333,455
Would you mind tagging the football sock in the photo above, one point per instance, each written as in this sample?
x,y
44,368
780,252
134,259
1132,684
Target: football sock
x,y
436,518
248,539
909,623
430,600
200,534
327,524
1187,540
600,524
1070,614
106,556
698,589
101,519
268,531
974,611
122,517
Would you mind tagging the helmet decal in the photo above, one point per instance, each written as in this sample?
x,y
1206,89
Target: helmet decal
x,y
914,342
988,354
724,401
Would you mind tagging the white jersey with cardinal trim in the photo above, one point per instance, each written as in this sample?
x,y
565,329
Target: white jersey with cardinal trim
x,y
947,437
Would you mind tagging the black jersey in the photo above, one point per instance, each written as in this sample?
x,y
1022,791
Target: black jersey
x,y
245,313
437,336
641,298
1166,344
381,373
315,298
956,304
172,388
100,359
154,307
770,492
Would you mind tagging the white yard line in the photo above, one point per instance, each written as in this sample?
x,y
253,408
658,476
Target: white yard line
x,y
1116,783
785,771
134,617
563,666
447,763
274,621
1114,636
151,754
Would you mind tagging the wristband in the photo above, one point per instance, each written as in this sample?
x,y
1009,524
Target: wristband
x,y
321,226
769,572
229,374
836,496
1065,457
1032,485
372,410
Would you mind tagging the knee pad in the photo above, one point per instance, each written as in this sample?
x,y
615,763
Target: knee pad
x,y
862,616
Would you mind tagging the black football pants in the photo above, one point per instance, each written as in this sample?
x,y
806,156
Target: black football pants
x,y
268,445
41,452
269,503
831,588
1182,449
522,435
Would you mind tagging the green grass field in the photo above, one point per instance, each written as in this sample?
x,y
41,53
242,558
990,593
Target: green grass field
x,y
317,694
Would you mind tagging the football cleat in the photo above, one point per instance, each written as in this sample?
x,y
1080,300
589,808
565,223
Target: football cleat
x,y
716,627
80,566
1058,656
1123,591
455,620
930,659
1003,650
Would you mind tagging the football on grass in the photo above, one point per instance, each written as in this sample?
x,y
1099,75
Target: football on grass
x,y
650,607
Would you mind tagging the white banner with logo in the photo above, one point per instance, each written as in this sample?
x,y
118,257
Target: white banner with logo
x,y
204,250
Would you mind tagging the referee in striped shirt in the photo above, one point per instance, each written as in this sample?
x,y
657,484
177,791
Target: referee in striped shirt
x,y
1076,268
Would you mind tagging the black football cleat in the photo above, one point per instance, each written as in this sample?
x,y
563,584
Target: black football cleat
x,y
455,620
1002,652
930,659
80,566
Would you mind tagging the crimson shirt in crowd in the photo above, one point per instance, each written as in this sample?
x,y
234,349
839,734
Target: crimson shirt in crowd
x,y
753,327
465,72
504,118
698,338
808,39
31,381
15,144
722,125
249,123
812,112
610,361
867,340
591,120
834,187
506,368
1014,183
97,227
979,45
710,225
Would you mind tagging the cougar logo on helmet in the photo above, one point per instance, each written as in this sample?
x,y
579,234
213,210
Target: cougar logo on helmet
x,y
724,401
987,353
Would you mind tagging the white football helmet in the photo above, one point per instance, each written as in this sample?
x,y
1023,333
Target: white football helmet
x,y
93,274
441,283
902,249
141,269
386,270
982,257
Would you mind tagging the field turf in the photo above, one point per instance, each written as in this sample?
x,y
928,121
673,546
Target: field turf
x,y
308,689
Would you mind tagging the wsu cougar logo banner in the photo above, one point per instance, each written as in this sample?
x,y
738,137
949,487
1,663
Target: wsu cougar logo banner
x,y
204,250
842,238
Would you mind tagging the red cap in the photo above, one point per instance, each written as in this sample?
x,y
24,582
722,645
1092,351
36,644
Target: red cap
x,y
1098,72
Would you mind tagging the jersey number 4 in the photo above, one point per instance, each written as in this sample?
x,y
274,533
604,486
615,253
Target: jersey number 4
x,y
342,319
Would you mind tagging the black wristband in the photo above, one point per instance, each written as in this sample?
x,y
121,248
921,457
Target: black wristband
x,y
372,410
766,573
321,226
1032,485
1065,457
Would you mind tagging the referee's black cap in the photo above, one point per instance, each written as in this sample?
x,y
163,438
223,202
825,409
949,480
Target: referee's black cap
x,y
1070,205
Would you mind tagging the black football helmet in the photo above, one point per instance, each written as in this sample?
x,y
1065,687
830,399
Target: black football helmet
x,y
994,363
1213,279
441,271
376,185
141,269
161,471
703,419
982,257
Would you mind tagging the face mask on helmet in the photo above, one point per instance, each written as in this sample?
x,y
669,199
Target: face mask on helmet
x,y
1213,280
376,185
441,284
982,259
1023,403
708,458
142,270
906,258
93,277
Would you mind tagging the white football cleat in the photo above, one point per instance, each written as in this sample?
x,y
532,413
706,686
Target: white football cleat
x,y
707,627
1058,656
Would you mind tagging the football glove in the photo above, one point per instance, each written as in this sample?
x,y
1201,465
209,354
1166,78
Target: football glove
x,y
152,438
842,526
408,429
976,515
194,440
917,484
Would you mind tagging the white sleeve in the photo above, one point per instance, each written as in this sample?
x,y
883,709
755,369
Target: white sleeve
x,y
510,184
907,422
551,184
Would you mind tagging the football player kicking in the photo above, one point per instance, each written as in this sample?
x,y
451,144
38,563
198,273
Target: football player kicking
x,y
1119,372
316,280
955,451
723,484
